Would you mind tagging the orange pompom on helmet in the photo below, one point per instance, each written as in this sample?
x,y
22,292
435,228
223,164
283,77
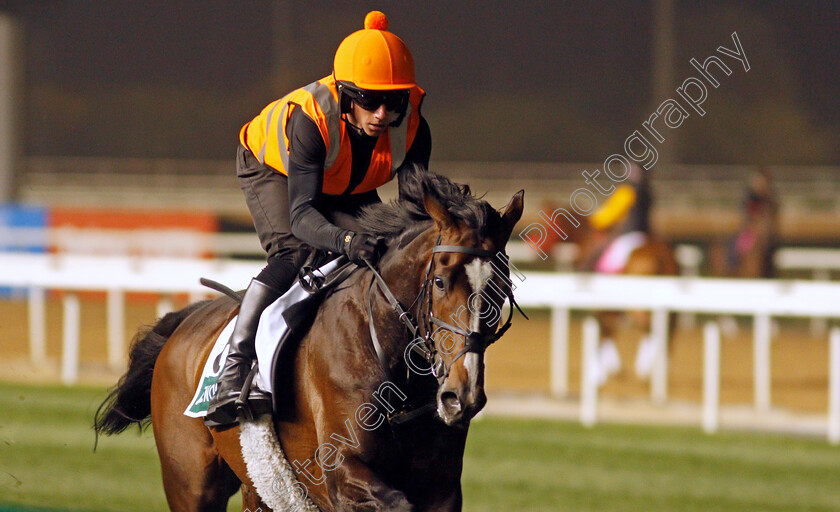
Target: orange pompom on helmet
x,y
373,58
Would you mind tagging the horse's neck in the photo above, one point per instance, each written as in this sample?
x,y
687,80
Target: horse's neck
x,y
403,270
574,234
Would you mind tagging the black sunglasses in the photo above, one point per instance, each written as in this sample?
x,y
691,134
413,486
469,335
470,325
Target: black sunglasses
x,y
394,101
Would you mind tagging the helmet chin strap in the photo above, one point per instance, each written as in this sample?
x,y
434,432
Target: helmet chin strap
x,y
346,118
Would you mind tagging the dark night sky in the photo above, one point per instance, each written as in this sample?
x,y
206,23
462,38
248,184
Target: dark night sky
x,y
534,80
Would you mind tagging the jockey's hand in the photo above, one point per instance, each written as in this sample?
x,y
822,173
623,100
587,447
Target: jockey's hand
x,y
361,247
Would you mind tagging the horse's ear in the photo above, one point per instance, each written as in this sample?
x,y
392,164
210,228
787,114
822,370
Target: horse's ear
x,y
513,212
438,213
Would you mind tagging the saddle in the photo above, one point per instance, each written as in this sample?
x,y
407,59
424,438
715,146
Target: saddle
x,y
615,255
281,326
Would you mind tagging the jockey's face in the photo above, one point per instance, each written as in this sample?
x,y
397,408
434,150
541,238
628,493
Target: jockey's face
x,y
372,122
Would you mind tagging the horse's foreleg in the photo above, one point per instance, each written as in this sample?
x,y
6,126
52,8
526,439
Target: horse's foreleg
x,y
251,500
452,501
354,486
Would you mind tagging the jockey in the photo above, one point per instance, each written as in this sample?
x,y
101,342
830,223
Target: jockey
x,y
628,208
309,161
624,223
758,226
626,211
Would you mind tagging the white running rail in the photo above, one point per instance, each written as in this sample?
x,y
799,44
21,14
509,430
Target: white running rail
x,y
559,292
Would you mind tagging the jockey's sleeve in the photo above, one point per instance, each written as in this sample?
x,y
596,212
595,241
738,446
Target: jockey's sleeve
x,y
307,153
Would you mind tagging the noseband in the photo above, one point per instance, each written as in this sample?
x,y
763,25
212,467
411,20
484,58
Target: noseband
x,y
424,345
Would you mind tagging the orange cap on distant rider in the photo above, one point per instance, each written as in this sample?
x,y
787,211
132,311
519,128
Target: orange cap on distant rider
x,y
374,58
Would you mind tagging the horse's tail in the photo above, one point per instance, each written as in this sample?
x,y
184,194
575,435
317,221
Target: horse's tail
x,y
129,402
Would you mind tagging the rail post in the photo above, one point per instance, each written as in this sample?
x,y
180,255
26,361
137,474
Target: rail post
x,y
711,377
659,374
761,361
559,352
589,381
834,387
116,328
164,305
37,299
70,343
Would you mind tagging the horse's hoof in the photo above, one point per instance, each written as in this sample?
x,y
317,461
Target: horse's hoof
x,y
644,358
609,358
596,373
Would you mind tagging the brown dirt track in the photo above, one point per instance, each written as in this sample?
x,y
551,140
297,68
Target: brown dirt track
x,y
517,363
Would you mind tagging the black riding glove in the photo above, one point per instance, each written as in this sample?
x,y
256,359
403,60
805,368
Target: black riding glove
x,y
361,247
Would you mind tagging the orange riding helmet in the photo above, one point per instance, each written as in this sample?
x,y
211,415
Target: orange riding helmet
x,y
373,58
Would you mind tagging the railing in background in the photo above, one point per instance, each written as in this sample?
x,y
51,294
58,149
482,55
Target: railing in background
x,y
177,242
761,299
115,276
562,293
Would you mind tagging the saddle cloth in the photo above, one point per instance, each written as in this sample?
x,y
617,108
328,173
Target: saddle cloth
x,y
273,328
615,257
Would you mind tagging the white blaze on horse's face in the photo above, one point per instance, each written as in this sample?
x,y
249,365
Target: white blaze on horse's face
x,y
478,273
460,400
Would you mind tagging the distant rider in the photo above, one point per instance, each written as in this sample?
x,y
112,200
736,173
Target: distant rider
x,y
624,217
758,229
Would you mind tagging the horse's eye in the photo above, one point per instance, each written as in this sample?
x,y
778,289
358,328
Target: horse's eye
x,y
439,283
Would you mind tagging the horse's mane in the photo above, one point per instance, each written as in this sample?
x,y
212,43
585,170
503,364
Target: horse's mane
x,y
396,217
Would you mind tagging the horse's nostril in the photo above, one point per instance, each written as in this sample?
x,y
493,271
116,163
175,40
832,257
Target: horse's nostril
x,y
450,401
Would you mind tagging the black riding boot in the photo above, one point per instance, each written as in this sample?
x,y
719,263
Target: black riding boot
x,y
222,410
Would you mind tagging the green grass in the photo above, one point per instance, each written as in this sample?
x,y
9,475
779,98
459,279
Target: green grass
x,y
47,463
47,458
544,465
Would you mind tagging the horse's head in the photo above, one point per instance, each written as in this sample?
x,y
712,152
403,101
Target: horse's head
x,y
466,284
446,261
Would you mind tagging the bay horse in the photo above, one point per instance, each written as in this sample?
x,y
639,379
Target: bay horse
x,y
652,257
749,253
437,268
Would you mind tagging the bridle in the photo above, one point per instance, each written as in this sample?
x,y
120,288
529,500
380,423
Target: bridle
x,y
421,333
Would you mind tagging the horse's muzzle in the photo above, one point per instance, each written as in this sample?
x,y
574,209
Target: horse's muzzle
x,y
458,408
